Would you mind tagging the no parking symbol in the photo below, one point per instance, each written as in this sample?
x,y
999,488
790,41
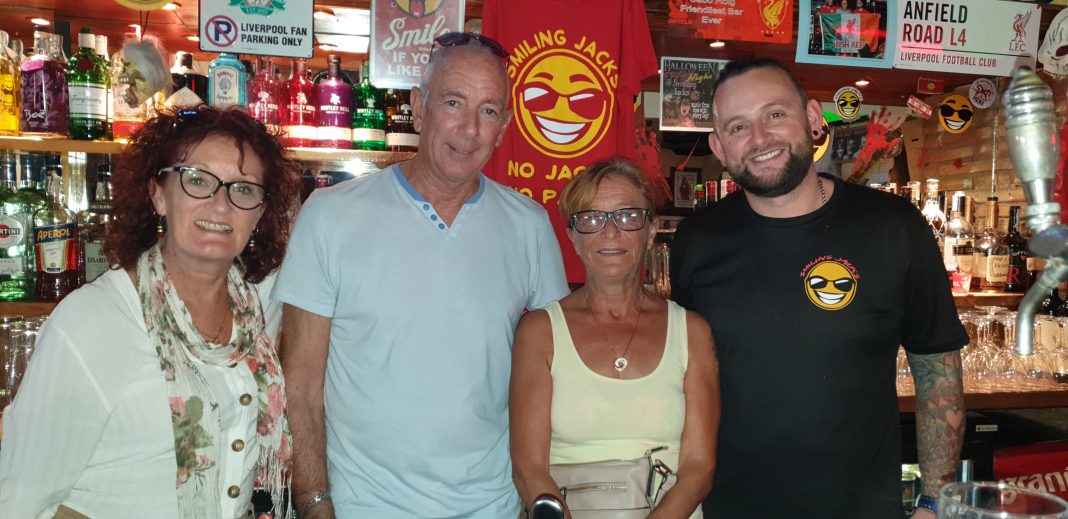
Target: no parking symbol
x,y
221,31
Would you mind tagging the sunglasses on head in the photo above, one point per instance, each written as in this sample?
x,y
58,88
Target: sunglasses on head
x,y
191,116
456,39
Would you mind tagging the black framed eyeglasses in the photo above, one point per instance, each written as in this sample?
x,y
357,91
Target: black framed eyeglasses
x,y
455,39
202,184
625,219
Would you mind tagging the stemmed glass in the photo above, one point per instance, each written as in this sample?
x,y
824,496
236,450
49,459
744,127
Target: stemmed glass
x,y
983,500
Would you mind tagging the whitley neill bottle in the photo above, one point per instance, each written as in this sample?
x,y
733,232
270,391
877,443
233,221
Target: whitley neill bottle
x,y
335,108
301,103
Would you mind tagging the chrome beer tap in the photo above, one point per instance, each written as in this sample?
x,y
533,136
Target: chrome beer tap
x,y
1030,119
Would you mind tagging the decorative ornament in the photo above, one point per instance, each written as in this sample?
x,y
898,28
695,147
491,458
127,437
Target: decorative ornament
x,y
883,140
143,5
955,114
982,93
1053,53
847,102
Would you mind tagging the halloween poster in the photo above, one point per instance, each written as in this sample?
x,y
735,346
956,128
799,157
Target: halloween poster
x,y
967,37
769,21
686,93
575,69
853,33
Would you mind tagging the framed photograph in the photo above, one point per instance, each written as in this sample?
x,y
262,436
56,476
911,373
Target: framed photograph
x,y
683,181
851,33
847,141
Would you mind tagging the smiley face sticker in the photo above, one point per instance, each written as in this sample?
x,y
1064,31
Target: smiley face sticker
x,y
847,102
830,284
955,114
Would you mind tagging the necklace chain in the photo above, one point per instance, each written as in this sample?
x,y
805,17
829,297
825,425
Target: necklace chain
x,y
823,194
620,363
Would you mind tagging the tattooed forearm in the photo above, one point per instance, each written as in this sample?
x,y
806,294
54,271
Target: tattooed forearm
x,y
939,416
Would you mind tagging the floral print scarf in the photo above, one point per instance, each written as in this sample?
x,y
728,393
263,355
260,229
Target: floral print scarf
x,y
194,407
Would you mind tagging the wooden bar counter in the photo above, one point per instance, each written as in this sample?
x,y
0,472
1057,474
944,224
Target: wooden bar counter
x,y
1021,393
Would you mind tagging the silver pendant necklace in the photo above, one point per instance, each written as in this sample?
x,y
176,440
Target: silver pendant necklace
x,y
621,362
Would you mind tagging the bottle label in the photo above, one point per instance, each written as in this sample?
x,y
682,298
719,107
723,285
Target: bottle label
x,y
95,261
949,260
402,139
301,132
334,133
88,100
979,265
53,243
368,134
225,87
9,113
335,114
997,268
12,231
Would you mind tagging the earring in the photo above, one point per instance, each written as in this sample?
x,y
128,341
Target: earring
x,y
252,240
161,227
816,134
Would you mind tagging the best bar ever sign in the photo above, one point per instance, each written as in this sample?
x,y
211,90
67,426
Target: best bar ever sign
x,y
265,27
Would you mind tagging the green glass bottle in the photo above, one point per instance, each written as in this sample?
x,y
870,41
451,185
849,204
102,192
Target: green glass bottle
x,y
369,121
16,246
87,88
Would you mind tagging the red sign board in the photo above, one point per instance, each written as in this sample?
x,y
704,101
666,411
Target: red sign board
x,y
926,85
1042,467
920,107
746,20
402,36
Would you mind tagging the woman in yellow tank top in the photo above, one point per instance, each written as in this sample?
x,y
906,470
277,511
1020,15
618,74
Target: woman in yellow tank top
x,y
613,370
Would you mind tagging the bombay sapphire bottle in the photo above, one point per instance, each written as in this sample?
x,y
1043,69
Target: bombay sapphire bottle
x,y
227,80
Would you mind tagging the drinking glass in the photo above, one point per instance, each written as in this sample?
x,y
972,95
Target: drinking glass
x,y
986,500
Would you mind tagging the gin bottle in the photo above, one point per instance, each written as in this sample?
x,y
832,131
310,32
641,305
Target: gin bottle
x,y
55,238
265,96
44,90
87,84
300,112
400,132
932,211
227,81
369,121
335,108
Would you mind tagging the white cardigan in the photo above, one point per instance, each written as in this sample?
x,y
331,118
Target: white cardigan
x,y
90,427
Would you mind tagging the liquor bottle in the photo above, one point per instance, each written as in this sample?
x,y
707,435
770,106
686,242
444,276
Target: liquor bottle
x,y
300,111
227,81
400,132
335,108
101,47
55,237
1051,303
932,211
994,252
265,96
958,232
92,227
16,223
87,87
128,111
185,77
1017,280
44,90
10,105
369,122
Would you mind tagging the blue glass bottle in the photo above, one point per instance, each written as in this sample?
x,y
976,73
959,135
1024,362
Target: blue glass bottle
x,y
227,82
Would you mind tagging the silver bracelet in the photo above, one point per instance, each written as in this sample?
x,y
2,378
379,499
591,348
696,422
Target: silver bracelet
x,y
319,497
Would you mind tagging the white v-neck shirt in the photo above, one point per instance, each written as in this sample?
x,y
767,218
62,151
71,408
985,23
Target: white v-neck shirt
x,y
90,427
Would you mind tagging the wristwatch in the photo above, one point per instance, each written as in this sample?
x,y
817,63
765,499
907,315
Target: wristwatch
x,y
927,502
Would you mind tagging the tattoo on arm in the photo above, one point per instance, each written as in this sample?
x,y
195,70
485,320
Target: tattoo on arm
x,y
939,416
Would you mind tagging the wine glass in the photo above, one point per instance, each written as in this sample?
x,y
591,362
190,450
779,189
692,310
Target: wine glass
x,y
987,500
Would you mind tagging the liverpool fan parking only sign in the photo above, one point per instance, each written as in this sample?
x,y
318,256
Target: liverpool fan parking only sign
x,y
265,27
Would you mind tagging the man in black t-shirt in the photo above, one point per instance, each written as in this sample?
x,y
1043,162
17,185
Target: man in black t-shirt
x,y
810,285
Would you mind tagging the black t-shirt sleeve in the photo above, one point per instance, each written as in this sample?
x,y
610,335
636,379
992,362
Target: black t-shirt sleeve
x,y
930,321
678,278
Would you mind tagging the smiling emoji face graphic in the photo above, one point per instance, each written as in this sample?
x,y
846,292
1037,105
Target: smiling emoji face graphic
x,y
956,113
562,103
830,285
847,102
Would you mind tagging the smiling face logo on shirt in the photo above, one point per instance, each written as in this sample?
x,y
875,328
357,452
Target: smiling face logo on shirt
x,y
831,284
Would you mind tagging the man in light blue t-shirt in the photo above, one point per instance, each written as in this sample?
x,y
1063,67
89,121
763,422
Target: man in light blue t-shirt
x,y
402,290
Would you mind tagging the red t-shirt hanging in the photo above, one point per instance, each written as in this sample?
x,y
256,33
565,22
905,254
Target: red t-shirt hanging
x,y
576,67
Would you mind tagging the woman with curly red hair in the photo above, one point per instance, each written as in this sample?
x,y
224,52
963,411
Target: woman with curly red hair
x,y
155,391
